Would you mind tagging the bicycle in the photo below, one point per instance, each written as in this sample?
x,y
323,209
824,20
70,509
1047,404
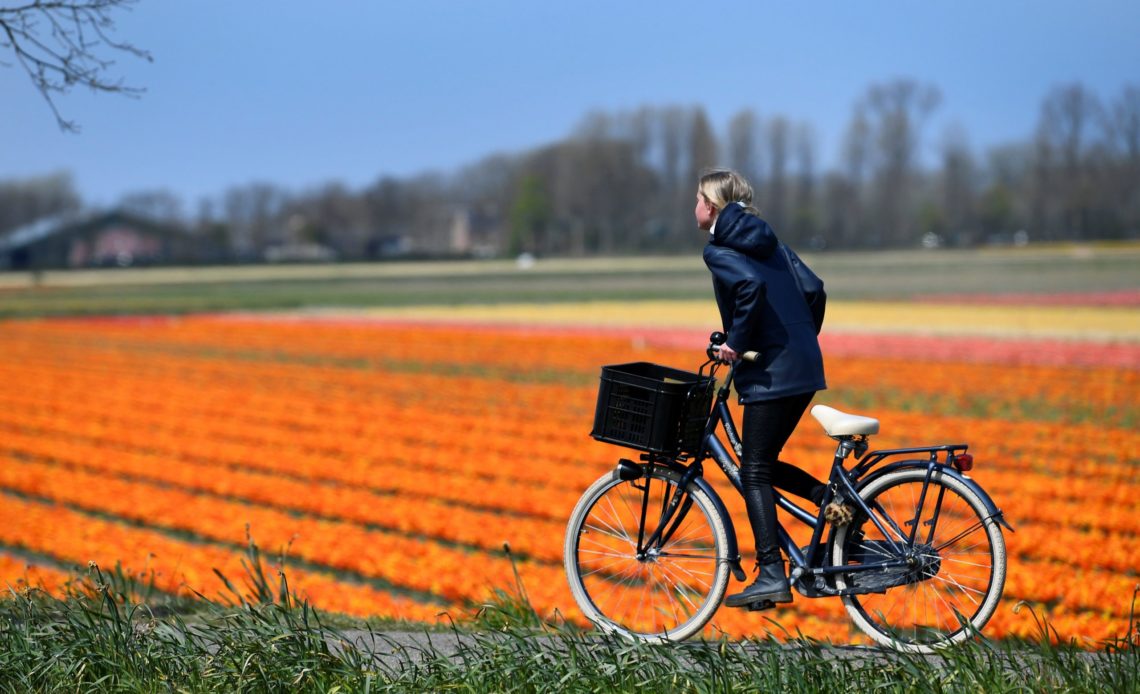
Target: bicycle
x,y
920,562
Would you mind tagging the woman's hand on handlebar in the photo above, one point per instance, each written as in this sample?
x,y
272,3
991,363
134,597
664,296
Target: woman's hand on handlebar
x,y
727,354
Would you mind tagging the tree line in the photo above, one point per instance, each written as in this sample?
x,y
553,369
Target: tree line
x,y
625,182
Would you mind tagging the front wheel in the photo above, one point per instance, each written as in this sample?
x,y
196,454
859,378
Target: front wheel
x,y
664,591
954,568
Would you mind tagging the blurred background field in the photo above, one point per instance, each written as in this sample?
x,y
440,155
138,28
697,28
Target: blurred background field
x,y
1106,273
391,426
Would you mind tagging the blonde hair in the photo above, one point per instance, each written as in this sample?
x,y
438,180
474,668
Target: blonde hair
x,y
722,187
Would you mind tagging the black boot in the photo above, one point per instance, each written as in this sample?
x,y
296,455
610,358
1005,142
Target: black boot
x,y
771,585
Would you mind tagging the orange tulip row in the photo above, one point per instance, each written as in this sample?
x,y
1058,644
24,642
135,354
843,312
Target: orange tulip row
x,y
344,340
485,343
405,561
412,460
1100,388
337,426
402,472
354,429
1012,388
486,530
179,566
1067,447
121,397
18,573
528,536
1104,393
553,503
406,513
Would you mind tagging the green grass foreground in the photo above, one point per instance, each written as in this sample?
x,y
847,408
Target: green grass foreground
x,y
111,634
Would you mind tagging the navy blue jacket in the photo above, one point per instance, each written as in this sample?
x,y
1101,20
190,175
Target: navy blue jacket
x,y
762,309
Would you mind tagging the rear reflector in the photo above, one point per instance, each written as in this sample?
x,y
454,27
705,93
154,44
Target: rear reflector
x,y
964,462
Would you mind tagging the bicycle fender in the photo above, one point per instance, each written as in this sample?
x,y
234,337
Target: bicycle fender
x,y
732,550
996,513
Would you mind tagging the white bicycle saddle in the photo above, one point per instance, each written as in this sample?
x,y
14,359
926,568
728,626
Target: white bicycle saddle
x,y
837,423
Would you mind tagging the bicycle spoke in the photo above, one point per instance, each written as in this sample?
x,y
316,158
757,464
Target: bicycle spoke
x,y
959,536
964,590
676,589
686,571
966,563
605,570
685,538
617,532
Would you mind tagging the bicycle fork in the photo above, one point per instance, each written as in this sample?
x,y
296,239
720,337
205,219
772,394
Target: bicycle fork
x,y
675,508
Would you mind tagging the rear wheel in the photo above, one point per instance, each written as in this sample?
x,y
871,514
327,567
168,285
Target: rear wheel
x,y
954,568
666,591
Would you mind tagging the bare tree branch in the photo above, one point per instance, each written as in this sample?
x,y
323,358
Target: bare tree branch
x,y
62,44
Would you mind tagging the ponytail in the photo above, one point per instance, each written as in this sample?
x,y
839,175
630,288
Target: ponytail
x,y
723,187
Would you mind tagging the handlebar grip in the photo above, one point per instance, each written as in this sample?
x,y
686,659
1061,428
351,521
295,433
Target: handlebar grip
x,y
750,356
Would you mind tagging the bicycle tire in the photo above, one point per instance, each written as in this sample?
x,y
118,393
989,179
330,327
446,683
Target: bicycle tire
x,y
958,575
668,595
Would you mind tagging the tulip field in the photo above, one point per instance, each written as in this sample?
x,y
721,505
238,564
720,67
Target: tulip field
x,y
390,454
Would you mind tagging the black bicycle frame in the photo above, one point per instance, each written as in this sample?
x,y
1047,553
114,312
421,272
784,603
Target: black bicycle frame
x,y
840,482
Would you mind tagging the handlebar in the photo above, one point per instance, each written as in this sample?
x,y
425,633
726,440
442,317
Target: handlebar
x,y
716,340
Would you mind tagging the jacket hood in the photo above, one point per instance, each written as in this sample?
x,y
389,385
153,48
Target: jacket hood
x,y
744,232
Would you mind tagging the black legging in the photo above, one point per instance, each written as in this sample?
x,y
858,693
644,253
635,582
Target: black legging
x,y
767,427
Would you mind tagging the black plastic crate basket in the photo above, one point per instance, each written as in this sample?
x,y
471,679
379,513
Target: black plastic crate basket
x,y
652,408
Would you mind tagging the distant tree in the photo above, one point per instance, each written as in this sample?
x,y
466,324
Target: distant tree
x,y
703,152
995,213
1126,124
772,197
957,183
897,111
1125,129
1068,115
804,220
640,133
1065,178
849,227
254,215
672,133
602,196
703,148
333,215
157,205
23,201
66,43
389,206
1005,204
744,144
213,234
839,220
530,217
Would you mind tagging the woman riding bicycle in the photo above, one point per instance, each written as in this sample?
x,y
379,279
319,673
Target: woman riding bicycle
x,y
762,310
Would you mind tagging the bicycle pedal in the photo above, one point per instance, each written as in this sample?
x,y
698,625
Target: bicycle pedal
x,y
761,605
838,514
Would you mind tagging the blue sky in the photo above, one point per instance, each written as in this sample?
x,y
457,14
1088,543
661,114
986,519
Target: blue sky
x,y
302,93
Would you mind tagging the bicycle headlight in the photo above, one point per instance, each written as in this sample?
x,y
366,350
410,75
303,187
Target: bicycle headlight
x,y
629,470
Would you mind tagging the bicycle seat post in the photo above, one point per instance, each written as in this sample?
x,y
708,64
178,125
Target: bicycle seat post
x,y
848,445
